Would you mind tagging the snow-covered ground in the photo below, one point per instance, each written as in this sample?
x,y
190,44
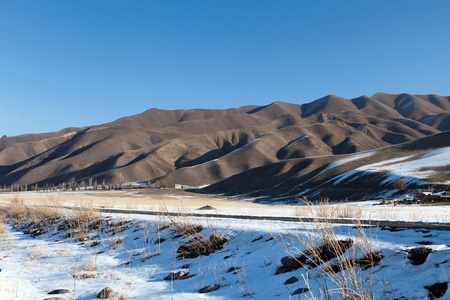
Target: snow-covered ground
x,y
135,268
417,168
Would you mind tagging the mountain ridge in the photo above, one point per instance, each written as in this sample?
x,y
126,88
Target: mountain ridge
x,y
200,146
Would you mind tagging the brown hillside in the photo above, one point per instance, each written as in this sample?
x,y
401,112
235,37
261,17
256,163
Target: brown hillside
x,y
198,147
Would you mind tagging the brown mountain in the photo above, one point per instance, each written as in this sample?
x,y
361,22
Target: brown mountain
x,y
418,164
198,147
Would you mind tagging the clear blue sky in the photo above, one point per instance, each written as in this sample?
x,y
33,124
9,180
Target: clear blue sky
x,y
79,63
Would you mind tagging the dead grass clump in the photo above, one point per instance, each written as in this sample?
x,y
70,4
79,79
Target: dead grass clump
x,y
88,275
3,230
346,211
35,218
343,269
198,242
90,265
326,210
16,209
116,242
82,215
45,211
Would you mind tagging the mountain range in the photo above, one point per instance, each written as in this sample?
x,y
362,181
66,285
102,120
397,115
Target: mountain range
x,y
250,148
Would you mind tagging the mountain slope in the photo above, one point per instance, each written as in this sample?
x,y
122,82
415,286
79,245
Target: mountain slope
x,y
198,147
353,176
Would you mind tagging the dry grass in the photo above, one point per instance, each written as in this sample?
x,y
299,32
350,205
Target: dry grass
x,y
26,213
91,264
343,269
3,230
84,213
324,209
196,239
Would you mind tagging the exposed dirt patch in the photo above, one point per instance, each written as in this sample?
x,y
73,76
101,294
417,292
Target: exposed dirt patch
x,y
418,255
437,290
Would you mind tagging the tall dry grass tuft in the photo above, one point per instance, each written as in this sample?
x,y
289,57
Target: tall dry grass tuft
x,y
341,267
16,209
26,213
91,264
3,230
326,210
84,213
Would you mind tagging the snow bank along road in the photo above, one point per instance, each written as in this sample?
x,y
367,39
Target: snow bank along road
x,y
378,223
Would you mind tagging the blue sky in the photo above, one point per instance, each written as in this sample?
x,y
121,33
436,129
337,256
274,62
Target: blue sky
x,y
79,63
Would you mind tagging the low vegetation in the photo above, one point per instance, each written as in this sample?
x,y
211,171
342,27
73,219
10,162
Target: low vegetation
x,y
333,264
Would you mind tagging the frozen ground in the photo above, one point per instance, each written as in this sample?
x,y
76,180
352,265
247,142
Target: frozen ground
x,y
135,268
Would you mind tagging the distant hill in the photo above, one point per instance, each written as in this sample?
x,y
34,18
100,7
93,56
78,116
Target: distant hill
x,y
202,147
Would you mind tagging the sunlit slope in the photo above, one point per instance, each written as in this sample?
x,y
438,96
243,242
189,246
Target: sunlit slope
x,y
198,147
415,164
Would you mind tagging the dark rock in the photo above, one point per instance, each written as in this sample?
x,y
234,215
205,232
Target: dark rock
x,y
176,276
54,298
291,280
330,250
418,255
59,291
437,290
282,270
257,239
209,288
392,229
207,207
186,266
300,291
290,262
217,239
95,243
425,243
232,269
369,260
159,241
106,293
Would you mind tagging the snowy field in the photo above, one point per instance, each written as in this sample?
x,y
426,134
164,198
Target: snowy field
x,y
134,260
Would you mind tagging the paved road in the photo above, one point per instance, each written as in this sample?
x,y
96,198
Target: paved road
x,y
378,223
